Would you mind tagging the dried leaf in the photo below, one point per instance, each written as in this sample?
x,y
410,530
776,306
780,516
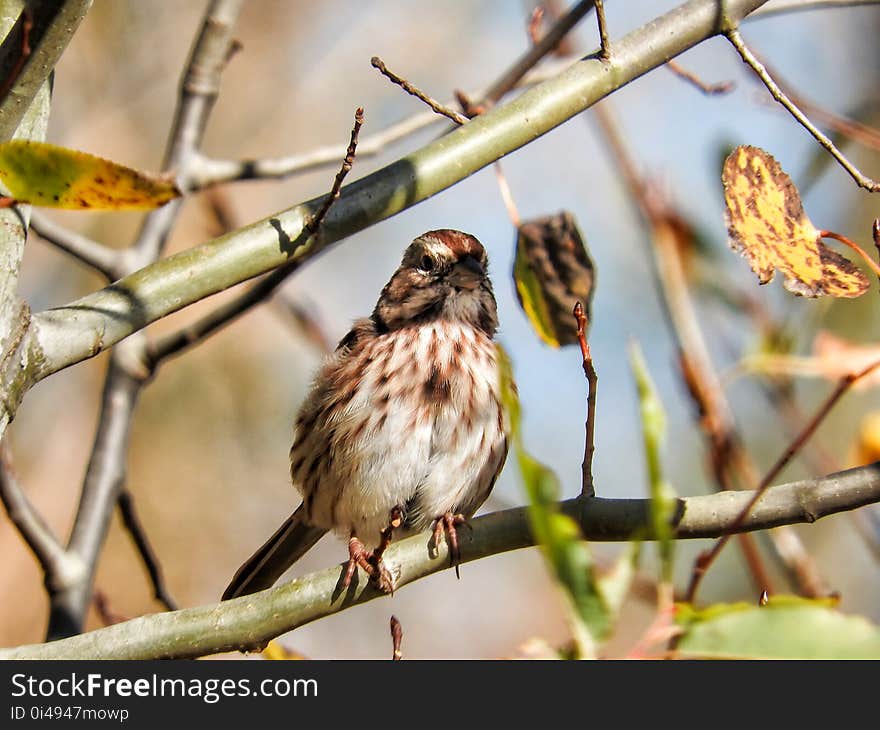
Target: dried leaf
x,y
552,271
767,224
56,177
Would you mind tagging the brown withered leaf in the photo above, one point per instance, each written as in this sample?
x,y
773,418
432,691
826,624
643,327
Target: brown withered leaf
x,y
767,224
552,271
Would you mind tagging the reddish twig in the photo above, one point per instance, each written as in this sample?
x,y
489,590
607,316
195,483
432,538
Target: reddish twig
x,y
723,87
706,558
315,222
854,246
548,44
587,488
507,196
396,638
875,234
413,91
534,26
106,613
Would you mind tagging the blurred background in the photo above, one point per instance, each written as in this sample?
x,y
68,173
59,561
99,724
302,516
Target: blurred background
x,y
208,461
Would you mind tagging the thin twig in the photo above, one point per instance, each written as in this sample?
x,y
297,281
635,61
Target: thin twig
x,y
206,171
604,46
533,28
396,638
377,63
723,87
106,261
135,528
176,342
507,196
251,621
776,92
778,7
587,488
30,524
307,323
706,558
875,234
854,246
527,61
315,222
854,130
108,616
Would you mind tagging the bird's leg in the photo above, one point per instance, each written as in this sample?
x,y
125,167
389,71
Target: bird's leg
x,y
448,523
371,561
357,555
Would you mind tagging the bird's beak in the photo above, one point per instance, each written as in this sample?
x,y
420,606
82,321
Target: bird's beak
x,y
467,273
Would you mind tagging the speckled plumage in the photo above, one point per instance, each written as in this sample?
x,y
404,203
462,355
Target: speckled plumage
x,y
405,413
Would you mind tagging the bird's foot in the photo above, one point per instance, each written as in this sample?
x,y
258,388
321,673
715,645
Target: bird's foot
x,y
371,560
449,523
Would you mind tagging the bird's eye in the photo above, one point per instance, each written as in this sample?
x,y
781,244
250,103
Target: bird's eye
x,y
427,263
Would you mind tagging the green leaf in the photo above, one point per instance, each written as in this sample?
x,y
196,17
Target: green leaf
x,y
614,585
531,298
788,627
560,538
44,174
663,498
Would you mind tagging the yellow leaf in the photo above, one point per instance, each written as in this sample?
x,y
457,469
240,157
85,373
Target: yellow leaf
x,y
767,224
56,177
867,448
275,652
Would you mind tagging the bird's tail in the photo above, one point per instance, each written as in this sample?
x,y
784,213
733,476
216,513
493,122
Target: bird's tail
x,y
289,543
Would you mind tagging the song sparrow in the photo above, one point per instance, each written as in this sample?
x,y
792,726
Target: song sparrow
x,y
403,426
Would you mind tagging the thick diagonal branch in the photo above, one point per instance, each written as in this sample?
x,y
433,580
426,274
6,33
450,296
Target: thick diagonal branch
x,y
81,329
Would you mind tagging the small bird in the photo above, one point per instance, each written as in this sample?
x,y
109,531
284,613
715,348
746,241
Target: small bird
x,y
403,426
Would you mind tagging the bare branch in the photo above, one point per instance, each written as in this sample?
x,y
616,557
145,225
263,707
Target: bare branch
x,y
30,524
710,89
135,528
106,261
205,171
70,334
536,52
776,92
314,223
105,475
53,24
249,622
587,488
604,47
778,7
379,64
174,343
